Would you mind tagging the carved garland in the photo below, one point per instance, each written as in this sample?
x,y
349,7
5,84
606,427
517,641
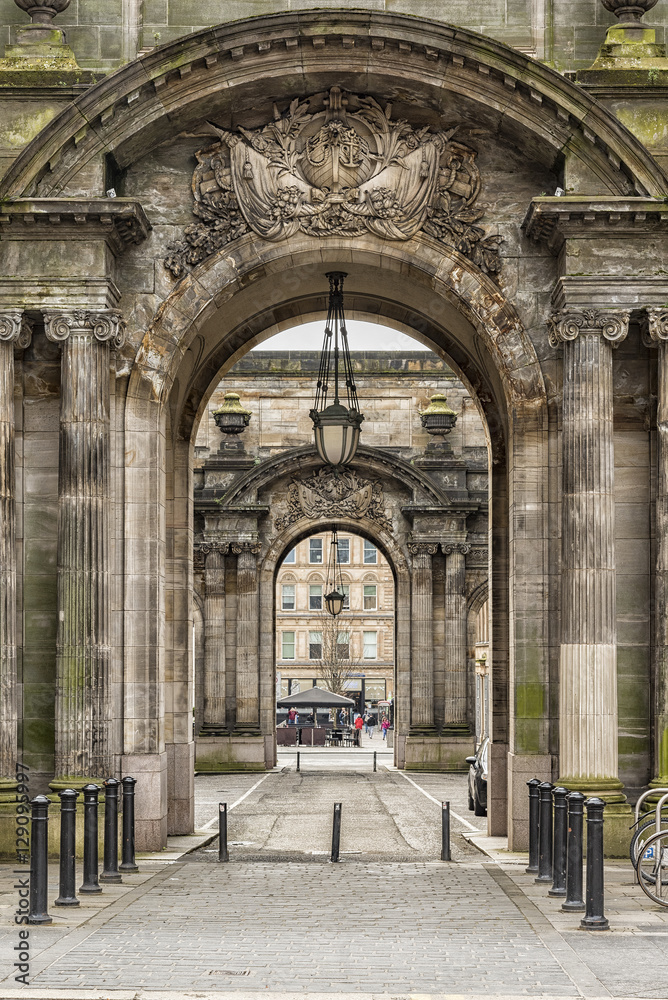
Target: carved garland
x,y
346,170
334,495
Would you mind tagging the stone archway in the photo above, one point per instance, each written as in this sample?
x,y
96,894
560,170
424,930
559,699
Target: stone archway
x,y
182,334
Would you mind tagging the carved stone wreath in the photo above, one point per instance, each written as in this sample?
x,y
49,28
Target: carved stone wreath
x,y
333,495
345,170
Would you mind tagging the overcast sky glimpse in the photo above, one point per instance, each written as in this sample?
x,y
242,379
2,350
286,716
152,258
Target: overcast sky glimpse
x,y
361,337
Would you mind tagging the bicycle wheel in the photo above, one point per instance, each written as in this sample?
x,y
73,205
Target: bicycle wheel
x,y
645,830
653,868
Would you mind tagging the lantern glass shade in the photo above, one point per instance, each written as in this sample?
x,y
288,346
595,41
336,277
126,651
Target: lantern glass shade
x,y
337,431
334,603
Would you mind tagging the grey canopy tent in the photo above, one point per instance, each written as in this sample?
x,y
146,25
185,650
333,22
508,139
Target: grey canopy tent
x,y
315,698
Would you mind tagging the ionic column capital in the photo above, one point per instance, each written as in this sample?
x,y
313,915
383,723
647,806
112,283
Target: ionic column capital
x,y
239,547
460,548
655,327
422,548
211,546
106,326
15,327
566,325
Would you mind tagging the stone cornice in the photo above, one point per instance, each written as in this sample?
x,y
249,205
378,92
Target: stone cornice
x,y
568,325
121,222
552,221
631,291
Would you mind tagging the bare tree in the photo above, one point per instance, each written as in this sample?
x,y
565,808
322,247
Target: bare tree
x,y
337,664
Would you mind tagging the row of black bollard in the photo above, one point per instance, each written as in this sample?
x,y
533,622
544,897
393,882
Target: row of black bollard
x,y
38,913
556,820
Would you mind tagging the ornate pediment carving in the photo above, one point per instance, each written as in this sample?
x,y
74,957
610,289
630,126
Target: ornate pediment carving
x,y
334,495
345,170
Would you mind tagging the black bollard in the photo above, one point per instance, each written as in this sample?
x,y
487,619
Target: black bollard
x,y
298,760
559,842
128,864
90,882
374,760
574,901
445,831
68,818
39,862
594,918
110,872
336,832
223,853
545,833
534,807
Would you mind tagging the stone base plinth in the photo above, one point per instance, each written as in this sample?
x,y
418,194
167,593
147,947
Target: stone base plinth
x,y
235,752
431,752
8,826
522,768
618,815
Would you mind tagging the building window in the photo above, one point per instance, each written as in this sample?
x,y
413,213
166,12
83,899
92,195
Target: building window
x,y
288,645
370,596
315,597
343,550
315,645
315,550
370,552
291,556
288,597
374,690
343,645
346,596
370,645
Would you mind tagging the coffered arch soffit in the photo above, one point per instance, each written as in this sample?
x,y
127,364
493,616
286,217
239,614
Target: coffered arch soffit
x,y
435,72
223,306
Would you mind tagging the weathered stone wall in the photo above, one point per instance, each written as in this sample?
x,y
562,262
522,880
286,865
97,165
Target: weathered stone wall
x,y
105,33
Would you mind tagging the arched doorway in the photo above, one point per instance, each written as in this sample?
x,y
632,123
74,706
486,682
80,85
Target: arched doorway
x,y
538,129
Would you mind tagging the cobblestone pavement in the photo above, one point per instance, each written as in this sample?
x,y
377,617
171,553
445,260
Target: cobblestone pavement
x,y
390,919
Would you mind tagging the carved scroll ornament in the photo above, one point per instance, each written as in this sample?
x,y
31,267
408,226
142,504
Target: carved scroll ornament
x,y
15,327
341,171
334,495
613,325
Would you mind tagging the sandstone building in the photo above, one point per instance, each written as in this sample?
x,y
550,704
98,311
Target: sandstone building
x,y
177,180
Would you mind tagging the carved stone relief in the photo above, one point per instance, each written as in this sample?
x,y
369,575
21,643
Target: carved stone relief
x,y
347,169
330,494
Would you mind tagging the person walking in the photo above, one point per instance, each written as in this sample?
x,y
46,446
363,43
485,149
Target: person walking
x,y
292,717
385,725
369,723
359,723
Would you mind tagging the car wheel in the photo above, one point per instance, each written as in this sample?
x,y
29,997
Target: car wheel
x,y
477,808
471,802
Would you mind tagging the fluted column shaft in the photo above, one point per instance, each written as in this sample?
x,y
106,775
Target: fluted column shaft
x,y
248,630
422,636
83,710
214,639
13,331
455,636
657,335
588,655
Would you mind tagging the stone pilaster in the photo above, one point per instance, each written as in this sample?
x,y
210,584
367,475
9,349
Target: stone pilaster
x,y
83,710
214,641
455,640
588,654
656,334
422,639
14,331
248,631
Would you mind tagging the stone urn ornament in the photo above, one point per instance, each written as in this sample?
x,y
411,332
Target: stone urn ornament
x,y
43,12
629,11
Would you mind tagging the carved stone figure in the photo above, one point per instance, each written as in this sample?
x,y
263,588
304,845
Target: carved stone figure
x,y
331,494
348,169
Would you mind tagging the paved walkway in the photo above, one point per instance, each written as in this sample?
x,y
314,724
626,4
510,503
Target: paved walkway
x,y
390,919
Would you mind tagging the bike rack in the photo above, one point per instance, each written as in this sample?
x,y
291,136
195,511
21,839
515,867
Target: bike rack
x,y
652,882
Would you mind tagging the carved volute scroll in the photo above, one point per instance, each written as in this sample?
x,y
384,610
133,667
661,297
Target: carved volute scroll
x,y
338,166
612,325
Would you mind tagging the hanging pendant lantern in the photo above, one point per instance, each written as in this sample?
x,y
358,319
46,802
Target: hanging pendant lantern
x,y
334,598
337,426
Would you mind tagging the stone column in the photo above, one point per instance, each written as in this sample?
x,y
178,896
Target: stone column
x,y
248,630
422,638
83,709
656,335
14,331
455,640
214,642
588,654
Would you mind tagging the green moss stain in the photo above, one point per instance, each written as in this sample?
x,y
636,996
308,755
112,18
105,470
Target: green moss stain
x,y
25,127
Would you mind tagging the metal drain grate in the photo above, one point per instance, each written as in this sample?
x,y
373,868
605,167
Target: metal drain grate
x,y
229,972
